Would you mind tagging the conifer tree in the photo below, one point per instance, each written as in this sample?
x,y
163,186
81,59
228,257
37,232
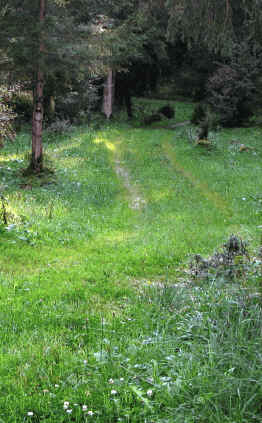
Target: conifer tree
x,y
40,38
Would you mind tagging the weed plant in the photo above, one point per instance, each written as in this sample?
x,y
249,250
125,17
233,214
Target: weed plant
x,y
97,319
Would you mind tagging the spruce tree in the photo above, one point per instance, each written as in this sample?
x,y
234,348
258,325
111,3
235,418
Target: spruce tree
x,y
40,37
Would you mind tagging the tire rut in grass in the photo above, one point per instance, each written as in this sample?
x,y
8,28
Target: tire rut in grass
x,y
217,200
135,201
135,198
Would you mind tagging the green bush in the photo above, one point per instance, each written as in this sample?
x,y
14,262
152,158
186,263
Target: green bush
x,y
199,113
77,103
59,127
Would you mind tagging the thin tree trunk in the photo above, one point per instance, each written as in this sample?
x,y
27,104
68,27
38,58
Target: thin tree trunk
x,y
37,125
52,105
108,97
36,164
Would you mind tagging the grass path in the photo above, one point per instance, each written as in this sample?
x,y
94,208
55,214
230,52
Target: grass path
x,y
135,201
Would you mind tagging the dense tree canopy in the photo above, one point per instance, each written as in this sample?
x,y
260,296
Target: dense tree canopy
x,y
217,23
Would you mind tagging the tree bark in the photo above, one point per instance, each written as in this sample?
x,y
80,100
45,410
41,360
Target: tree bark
x,y
36,164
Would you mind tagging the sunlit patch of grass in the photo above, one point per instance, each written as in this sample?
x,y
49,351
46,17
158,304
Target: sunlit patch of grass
x,y
108,144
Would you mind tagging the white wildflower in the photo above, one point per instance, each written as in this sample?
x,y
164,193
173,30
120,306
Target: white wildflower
x,y
84,407
149,393
113,392
69,411
30,413
90,413
111,381
66,405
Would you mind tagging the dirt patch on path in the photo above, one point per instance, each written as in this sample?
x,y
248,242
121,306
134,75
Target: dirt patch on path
x,y
136,201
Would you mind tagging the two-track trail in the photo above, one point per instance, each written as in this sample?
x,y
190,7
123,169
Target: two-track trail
x,y
135,199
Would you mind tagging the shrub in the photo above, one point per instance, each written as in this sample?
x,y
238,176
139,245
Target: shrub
x,y
167,111
80,101
155,117
59,126
205,118
230,263
199,113
231,87
164,112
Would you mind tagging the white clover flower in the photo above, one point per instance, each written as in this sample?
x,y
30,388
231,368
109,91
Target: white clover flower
x,y
69,411
90,413
56,385
244,198
113,392
121,379
30,413
84,407
149,393
111,381
66,405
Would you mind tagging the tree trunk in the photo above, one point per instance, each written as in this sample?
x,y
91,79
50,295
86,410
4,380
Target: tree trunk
x,y
37,125
108,98
36,164
52,105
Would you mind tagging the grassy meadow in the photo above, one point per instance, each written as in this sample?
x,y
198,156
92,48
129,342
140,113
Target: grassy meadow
x,y
99,320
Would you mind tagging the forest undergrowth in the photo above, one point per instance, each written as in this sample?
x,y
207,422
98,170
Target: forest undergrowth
x,y
101,316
